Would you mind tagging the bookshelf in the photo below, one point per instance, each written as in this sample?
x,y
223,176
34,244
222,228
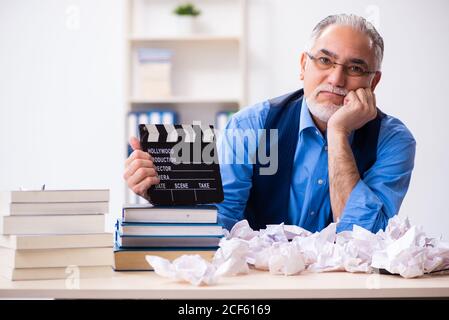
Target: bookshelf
x,y
208,66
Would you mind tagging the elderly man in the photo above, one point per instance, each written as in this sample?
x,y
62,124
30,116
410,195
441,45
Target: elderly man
x,y
340,159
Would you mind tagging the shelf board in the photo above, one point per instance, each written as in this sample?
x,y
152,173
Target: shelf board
x,y
186,38
190,100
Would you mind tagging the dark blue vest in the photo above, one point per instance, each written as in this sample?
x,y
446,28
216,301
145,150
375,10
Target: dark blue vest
x,y
269,196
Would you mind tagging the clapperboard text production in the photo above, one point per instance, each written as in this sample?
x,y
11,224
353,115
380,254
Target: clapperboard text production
x,y
186,162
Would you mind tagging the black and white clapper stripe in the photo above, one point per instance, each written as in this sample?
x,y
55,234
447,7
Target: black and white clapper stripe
x,y
174,133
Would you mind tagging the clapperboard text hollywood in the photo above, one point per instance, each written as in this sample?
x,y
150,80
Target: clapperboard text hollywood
x,y
196,144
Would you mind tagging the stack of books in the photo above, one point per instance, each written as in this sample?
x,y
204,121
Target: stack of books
x,y
154,73
165,231
46,234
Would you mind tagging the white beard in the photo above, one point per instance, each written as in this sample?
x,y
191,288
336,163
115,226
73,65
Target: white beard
x,y
324,111
320,111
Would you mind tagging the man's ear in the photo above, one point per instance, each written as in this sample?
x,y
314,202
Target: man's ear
x,y
376,80
302,65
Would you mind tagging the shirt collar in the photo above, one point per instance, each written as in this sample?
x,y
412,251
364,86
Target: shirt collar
x,y
305,119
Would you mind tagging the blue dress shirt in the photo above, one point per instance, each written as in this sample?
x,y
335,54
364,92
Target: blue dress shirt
x,y
375,199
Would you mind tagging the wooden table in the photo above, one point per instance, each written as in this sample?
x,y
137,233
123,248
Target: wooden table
x,y
256,285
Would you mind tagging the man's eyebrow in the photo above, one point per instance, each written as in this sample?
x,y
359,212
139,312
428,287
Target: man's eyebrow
x,y
329,53
358,61
353,60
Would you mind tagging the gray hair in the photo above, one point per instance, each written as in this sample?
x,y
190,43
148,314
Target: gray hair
x,y
356,22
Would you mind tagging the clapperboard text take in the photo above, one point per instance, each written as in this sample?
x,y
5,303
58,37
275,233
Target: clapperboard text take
x,y
186,161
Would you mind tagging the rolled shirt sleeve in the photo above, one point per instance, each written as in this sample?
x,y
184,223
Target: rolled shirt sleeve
x,y
378,195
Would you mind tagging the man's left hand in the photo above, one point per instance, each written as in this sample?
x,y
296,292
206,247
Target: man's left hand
x,y
359,107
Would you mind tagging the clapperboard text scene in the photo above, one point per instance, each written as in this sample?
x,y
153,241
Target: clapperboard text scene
x,y
186,161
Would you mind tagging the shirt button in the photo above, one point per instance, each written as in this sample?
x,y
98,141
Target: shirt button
x,y
312,213
325,148
320,181
316,131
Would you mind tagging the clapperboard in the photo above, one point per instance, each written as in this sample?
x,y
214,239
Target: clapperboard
x,y
186,161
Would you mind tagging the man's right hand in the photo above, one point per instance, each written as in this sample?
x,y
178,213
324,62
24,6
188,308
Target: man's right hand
x,y
140,171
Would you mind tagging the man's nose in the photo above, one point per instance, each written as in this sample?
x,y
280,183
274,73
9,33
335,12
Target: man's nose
x,y
337,76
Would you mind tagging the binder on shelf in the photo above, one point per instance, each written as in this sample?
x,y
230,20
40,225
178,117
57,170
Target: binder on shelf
x,y
132,128
168,118
143,118
155,118
222,118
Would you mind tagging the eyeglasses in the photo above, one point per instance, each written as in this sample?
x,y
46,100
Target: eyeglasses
x,y
352,70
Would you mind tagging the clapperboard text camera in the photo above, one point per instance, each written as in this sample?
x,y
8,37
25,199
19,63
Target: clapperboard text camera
x,y
186,161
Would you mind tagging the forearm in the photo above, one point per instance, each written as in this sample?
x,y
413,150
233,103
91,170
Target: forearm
x,y
343,172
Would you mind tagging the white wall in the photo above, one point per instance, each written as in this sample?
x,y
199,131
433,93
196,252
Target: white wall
x,y
61,95
62,88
